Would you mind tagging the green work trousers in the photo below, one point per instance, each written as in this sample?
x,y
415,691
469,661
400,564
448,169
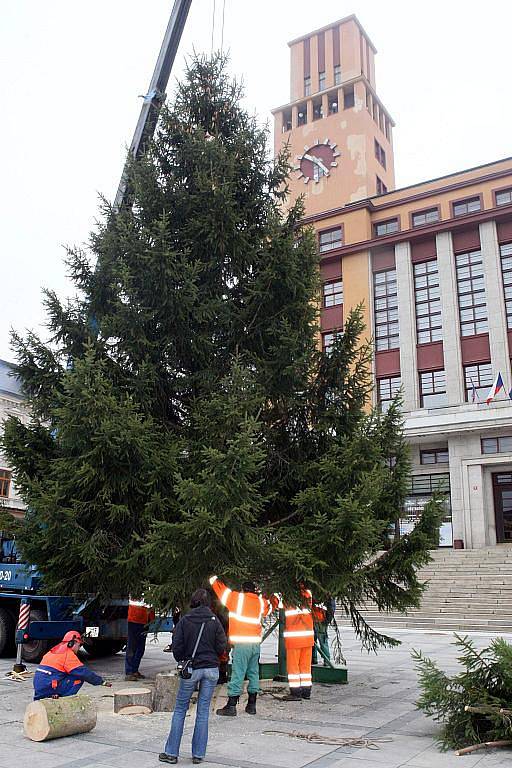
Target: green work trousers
x,y
246,657
322,638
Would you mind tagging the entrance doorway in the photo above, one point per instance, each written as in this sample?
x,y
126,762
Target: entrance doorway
x,y
502,486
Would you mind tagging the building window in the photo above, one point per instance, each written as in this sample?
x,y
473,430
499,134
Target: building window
x,y
330,239
317,110
5,483
307,86
348,97
425,217
503,197
333,293
302,114
421,490
434,456
387,335
379,153
463,207
506,271
433,389
287,120
321,81
387,390
337,74
478,380
381,187
328,340
429,325
333,103
381,228
471,291
387,130
497,444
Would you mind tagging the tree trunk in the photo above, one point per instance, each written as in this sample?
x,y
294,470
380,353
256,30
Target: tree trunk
x,y
166,688
52,718
133,697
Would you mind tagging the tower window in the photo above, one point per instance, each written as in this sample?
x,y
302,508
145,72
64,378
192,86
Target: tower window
x,y
380,153
337,74
287,120
321,81
348,97
333,103
302,115
307,86
381,187
317,110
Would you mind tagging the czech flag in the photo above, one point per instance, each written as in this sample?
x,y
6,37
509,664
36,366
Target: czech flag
x,y
497,385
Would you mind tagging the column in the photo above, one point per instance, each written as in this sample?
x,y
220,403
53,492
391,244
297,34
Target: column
x,y
496,311
295,116
407,320
450,310
309,110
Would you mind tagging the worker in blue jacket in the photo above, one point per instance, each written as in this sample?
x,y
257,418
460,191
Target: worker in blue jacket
x,y
61,673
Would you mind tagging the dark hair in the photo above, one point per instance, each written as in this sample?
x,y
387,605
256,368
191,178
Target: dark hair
x,y
200,597
248,586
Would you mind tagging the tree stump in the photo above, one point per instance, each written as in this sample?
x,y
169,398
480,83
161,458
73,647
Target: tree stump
x,y
52,718
166,689
137,701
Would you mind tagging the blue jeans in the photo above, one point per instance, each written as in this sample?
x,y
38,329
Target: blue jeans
x,y
135,647
207,679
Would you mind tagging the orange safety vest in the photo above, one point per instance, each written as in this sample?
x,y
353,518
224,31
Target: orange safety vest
x,y
246,609
140,612
319,613
298,624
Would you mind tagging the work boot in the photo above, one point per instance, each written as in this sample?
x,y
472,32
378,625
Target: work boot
x,y
229,710
139,676
306,692
293,695
132,678
251,704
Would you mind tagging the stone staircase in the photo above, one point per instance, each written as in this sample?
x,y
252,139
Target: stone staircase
x,y
466,590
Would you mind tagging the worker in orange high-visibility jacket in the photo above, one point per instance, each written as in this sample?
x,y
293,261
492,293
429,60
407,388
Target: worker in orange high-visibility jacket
x,y
246,610
61,673
299,638
140,616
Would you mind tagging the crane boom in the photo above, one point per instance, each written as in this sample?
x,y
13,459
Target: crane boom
x,y
155,97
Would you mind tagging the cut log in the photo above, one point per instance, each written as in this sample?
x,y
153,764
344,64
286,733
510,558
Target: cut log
x,y
166,689
52,718
135,709
132,697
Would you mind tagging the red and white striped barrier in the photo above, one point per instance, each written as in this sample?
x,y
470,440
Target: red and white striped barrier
x,y
24,617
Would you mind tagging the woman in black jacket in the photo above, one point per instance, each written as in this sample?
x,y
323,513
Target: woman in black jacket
x,y
205,671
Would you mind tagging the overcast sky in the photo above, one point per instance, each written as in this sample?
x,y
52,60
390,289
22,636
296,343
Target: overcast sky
x,y
71,73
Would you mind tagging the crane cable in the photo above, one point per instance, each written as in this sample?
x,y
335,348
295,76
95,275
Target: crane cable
x,y
222,25
213,24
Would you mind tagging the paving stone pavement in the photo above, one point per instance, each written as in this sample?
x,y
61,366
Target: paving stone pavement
x,y
378,703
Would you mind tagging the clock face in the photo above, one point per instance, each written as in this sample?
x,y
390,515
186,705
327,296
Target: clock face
x,y
318,160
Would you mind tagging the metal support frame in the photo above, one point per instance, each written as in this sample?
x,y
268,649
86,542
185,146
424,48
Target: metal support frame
x,y
155,96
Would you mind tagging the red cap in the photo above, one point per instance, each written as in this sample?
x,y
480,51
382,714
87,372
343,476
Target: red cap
x,y
72,635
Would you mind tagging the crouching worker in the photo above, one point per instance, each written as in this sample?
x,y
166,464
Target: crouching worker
x,y
61,673
246,610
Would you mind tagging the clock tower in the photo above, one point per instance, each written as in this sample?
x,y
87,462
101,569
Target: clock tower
x,y
338,131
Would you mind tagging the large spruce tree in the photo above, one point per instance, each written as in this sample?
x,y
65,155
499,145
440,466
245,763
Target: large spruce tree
x,y
184,420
